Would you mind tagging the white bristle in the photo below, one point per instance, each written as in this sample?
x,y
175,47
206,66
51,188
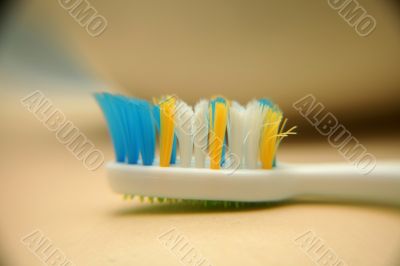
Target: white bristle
x,y
236,130
200,132
184,133
253,120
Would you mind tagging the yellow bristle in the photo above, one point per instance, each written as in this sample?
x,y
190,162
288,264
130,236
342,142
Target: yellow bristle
x,y
167,109
269,138
217,134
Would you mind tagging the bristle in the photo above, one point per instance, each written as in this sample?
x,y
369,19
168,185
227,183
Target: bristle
x,y
114,124
193,202
131,127
160,200
131,123
167,109
148,135
156,115
236,130
121,105
174,150
200,132
218,121
183,119
269,137
254,117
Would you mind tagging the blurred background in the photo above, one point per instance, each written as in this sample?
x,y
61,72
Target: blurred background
x,y
282,50
277,49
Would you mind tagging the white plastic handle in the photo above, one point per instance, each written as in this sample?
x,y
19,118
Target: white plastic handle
x,y
321,181
344,181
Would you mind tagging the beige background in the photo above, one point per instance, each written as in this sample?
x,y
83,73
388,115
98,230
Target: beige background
x,y
241,49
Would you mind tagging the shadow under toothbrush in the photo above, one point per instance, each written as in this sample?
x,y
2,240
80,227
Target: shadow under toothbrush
x,y
185,208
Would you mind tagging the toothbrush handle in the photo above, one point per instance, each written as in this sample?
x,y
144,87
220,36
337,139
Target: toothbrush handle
x,y
345,182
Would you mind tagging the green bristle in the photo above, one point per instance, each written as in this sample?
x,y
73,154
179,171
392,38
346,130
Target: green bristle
x,y
160,200
191,202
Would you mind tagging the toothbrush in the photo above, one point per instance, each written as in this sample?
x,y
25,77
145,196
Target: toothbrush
x,y
234,158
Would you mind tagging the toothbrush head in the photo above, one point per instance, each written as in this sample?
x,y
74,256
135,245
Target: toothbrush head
x,y
214,152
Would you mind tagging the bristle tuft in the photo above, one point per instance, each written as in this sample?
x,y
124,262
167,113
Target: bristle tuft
x,y
167,124
236,130
183,118
200,132
218,117
254,117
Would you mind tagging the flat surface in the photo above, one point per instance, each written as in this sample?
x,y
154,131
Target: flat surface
x,y
43,187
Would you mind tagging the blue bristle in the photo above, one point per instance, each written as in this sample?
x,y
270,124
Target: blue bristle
x,y
129,119
223,152
213,102
114,124
120,104
173,152
131,124
148,132
266,102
